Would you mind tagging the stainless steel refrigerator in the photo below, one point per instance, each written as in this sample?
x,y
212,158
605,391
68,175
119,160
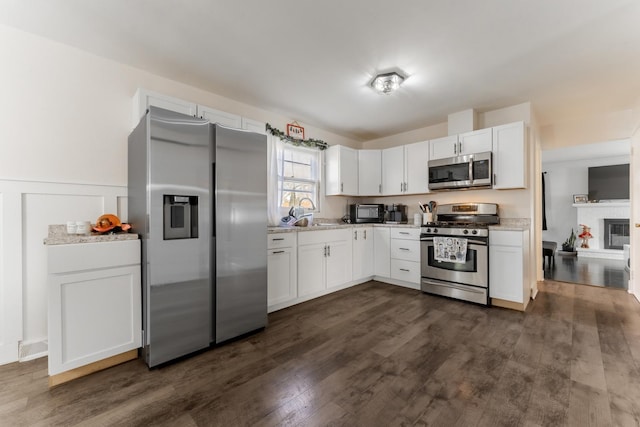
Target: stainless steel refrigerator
x,y
197,197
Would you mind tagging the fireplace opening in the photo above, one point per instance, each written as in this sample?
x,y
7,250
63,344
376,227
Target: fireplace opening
x,y
616,233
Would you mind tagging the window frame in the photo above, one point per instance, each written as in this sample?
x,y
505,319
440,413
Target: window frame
x,y
316,181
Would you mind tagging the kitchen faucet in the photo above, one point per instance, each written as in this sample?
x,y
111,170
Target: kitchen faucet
x,y
313,206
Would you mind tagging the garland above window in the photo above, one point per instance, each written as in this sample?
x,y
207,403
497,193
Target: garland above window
x,y
311,143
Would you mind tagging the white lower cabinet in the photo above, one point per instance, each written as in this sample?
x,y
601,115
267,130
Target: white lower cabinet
x,y
363,252
508,278
397,255
382,251
324,260
95,307
405,255
282,269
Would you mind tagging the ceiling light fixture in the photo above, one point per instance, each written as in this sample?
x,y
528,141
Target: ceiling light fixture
x,y
387,83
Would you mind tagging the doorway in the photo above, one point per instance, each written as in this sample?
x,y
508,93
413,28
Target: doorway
x,y
566,180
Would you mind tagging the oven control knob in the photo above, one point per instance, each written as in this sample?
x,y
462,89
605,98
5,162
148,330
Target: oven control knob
x,y
474,232
465,231
435,230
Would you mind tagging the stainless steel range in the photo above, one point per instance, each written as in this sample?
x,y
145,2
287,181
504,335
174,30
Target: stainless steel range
x,y
454,251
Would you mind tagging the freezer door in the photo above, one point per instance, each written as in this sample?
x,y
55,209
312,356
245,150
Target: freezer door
x,y
240,213
178,304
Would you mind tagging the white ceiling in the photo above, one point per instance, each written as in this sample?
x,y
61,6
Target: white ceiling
x,y
312,61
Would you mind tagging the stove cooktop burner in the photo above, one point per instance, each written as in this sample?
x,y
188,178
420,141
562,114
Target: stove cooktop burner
x,y
453,224
454,229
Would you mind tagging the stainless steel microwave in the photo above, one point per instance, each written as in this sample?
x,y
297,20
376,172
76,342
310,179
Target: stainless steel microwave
x,y
468,171
359,213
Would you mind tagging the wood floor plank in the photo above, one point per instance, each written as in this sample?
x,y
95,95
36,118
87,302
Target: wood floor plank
x,y
588,407
374,354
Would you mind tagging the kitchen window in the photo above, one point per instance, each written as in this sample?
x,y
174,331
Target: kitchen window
x,y
300,178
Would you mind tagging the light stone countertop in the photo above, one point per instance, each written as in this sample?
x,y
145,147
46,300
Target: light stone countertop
x,y
58,236
512,224
334,225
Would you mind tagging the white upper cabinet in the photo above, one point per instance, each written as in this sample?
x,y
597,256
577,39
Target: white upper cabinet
x,y
508,156
369,172
220,117
253,125
341,171
477,141
405,169
143,99
441,148
393,171
416,169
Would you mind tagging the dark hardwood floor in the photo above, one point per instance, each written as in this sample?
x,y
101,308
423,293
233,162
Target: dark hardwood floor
x,y
588,271
375,355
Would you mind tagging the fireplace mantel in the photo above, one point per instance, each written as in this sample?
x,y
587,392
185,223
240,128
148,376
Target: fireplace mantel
x,y
602,205
593,215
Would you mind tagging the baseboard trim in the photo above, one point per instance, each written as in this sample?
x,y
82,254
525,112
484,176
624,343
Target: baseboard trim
x,y
508,304
72,374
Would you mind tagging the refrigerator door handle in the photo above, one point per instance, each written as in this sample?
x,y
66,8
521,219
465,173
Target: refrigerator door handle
x,y
213,197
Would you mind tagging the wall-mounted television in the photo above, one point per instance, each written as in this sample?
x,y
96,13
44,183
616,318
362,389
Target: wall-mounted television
x,y
609,182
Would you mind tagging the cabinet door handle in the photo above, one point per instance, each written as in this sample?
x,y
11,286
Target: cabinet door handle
x,y
404,249
328,250
365,234
404,269
455,148
355,235
325,251
277,252
341,187
494,179
277,238
403,232
380,188
460,147
401,186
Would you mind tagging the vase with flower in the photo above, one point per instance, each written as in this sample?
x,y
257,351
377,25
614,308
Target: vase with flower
x,y
585,235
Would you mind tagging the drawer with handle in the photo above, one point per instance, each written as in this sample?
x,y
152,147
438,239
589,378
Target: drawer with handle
x,y
405,270
405,233
281,240
408,250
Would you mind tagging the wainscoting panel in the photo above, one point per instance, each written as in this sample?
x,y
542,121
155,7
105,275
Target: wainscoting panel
x,y
27,209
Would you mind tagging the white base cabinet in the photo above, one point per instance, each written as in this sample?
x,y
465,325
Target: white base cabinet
x,y
382,251
95,302
363,252
324,260
405,255
282,267
508,268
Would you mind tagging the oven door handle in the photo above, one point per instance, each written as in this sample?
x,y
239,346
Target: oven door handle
x,y
469,241
467,288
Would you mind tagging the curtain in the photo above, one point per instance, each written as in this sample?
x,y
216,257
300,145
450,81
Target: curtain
x,y
274,159
544,207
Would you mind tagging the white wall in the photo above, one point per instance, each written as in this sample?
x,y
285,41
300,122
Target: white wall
x,y
563,179
67,115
